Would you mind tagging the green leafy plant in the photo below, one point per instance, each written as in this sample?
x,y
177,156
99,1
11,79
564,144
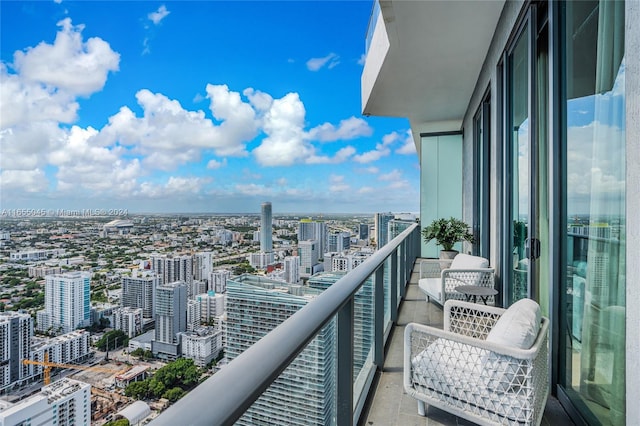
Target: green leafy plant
x,y
447,232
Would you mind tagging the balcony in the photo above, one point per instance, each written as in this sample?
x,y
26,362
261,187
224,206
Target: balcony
x,y
364,390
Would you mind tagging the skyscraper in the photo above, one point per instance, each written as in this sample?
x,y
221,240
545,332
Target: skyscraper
x,y
304,392
171,318
202,265
266,228
66,302
139,292
382,227
309,255
16,330
309,229
172,268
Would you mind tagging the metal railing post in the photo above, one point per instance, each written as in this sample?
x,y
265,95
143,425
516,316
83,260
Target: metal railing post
x,y
344,365
402,248
394,287
378,317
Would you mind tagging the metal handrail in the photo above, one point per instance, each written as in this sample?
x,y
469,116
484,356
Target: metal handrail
x,y
224,397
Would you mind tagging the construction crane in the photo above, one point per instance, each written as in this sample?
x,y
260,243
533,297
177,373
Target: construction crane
x,y
49,365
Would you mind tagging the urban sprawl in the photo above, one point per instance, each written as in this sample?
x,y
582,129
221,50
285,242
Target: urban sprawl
x,y
99,308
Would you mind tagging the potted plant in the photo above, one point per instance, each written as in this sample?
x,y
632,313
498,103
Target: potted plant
x,y
447,232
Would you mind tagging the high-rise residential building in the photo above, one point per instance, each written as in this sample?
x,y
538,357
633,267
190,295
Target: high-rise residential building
x,y
69,348
211,306
16,330
292,269
139,292
261,260
363,231
172,268
171,319
309,229
309,256
65,402
218,281
66,302
266,228
338,242
255,306
381,221
202,265
129,320
193,314
202,345
335,262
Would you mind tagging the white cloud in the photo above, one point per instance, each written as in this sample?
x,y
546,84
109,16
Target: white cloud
x,y
337,184
362,59
340,156
70,65
393,176
374,155
17,181
285,143
177,187
349,128
408,146
215,164
157,16
330,61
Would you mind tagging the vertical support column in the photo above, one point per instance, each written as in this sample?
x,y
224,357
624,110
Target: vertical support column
x,y
378,317
393,275
344,365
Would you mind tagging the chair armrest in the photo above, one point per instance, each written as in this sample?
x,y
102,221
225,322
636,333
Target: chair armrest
x,y
470,319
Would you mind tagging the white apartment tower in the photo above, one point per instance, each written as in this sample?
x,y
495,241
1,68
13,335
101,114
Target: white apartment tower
x,y
202,265
382,227
16,330
139,292
65,402
66,302
171,318
172,268
218,281
292,269
211,306
129,320
266,228
309,255
309,229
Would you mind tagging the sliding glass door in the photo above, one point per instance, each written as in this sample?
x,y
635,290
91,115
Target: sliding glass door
x,y
592,340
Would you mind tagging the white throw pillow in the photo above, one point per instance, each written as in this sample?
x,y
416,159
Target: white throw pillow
x,y
518,326
466,261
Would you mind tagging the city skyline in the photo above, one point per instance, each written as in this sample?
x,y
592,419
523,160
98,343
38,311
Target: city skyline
x,y
195,107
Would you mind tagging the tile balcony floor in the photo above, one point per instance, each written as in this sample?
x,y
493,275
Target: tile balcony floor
x,y
391,406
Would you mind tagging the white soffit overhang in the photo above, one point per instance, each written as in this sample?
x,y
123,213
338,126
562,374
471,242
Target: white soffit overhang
x,y
431,59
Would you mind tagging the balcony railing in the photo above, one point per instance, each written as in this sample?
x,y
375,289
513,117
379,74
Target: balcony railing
x,y
373,20
227,395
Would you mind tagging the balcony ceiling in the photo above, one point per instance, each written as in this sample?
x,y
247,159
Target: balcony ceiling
x,y
436,51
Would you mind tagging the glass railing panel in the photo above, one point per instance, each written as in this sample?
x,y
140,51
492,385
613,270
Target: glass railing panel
x,y
305,391
373,20
363,332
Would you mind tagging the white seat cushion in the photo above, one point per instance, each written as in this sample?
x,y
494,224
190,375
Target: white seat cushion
x,y
466,261
431,287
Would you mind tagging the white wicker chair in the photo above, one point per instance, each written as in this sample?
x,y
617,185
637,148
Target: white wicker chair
x,y
457,370
439,284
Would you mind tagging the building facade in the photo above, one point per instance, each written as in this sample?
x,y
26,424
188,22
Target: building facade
x,y
66,302
65,402
171,318
266,228
256,306
309,255
16,331
172,268
128,320
381,221
547,96
309,229
139,292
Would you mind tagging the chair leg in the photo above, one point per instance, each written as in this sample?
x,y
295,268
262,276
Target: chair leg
x,y
422,411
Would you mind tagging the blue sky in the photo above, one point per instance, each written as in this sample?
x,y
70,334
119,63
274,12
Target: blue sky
x,y
204,106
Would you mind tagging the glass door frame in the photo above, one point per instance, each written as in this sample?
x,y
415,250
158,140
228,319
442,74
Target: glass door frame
x,y
481,175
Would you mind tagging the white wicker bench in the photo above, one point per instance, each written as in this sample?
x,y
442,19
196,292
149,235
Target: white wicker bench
x,y
457,370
